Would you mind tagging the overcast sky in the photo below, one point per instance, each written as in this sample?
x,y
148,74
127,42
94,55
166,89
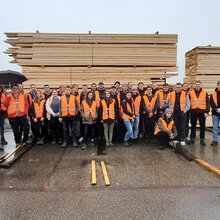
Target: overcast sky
x,y
197,22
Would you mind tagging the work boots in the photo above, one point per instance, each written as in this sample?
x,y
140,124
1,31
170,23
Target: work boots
x,y
64,145
3,141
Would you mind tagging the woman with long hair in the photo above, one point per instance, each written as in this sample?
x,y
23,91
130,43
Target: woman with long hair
x,y
108,116
89,113
38,114
128,116
53,109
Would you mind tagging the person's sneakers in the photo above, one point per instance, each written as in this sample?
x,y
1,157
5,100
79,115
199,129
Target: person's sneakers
x,y
3,141
39,142
92,144
126,144
141,135
202,142
75,144
175,143
64,144
161,147
111,144
60,141
191,141
53,142
107,144
214,143
130,143
83,147
81,139
183,143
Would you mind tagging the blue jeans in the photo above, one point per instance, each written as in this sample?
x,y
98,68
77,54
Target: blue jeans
x,y
215,121
136,126
129,126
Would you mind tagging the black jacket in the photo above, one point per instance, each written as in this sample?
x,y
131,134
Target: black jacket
x,y
124,107
213,105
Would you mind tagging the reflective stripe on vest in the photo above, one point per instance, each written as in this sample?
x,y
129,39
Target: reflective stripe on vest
x,y
68,109
164,123
39,109
108,112
78,100
161,98
182,100
199,102
214,97
2,107
13,106
149,104
125,116
87,110
137,103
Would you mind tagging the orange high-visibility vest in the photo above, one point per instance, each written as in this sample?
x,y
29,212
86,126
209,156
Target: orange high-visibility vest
x,y
182,100
137,104
214,97
161,98
199,102
13,106
30,98
150,104
108,112
68,109
165,125
119,104
39,108
97,98
78,100
87,109
125,116
2,107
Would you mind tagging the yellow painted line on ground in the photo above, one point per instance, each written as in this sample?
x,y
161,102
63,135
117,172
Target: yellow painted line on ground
x,y
94,181
208,167
105,174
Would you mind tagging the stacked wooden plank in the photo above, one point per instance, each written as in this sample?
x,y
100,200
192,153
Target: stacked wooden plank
x,y
203,63
61,59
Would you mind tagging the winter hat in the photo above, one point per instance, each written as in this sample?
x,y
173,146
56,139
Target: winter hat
x,y
134,88
168,110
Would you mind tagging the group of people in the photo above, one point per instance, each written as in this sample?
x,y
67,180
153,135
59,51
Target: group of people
x,y
122,113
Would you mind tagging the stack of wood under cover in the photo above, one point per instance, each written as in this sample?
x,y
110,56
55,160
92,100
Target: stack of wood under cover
x,y
64,58
203,63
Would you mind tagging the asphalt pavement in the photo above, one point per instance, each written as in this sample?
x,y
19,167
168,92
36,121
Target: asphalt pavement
x,y
49,182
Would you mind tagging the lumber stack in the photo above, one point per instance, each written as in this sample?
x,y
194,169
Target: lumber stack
x,y
203,63
62,58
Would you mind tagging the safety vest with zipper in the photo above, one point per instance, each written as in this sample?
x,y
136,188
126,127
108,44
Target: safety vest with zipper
x,y
199,102
137,104
150,104
12,108
2,107
125,116
108,113
182,100
68,109
87,109
39,108
165,125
